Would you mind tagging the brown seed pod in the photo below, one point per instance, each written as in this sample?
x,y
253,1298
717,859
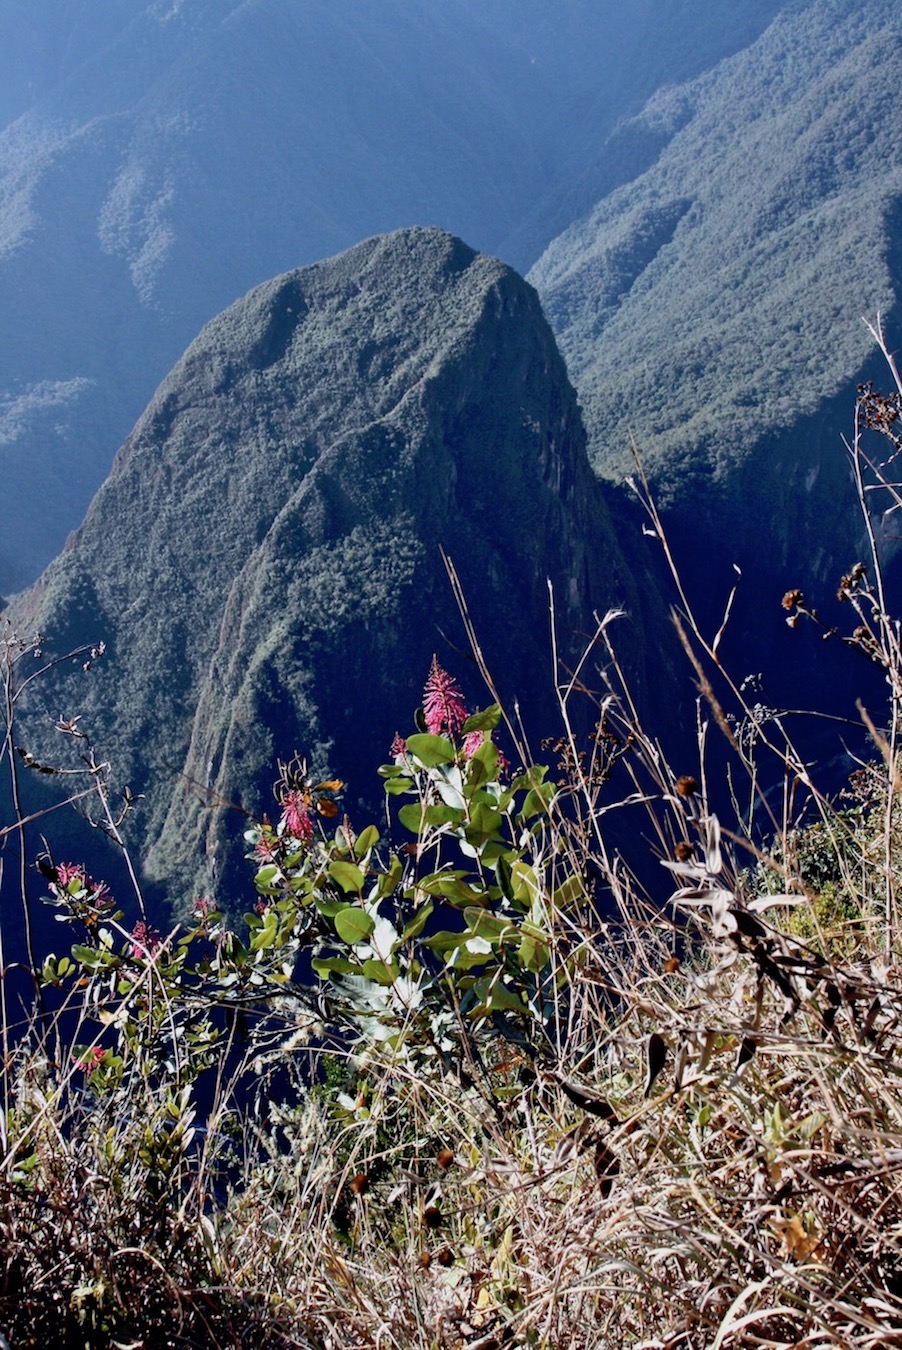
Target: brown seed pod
x,y
359,1183
444,1158
432,1216
445,1257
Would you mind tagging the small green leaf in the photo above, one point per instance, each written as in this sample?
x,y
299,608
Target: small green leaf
x,y
380,973
327,906
431,750
459,893
390,879
533,953
503,873
446,942
325,966
418,922
487,926
265,935
353,925
366,840
484,824
487,720
537,800
348,875
266,877
567,892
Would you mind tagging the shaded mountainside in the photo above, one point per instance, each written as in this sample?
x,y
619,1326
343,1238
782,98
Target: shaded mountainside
x,y
264,561
712,303
156,160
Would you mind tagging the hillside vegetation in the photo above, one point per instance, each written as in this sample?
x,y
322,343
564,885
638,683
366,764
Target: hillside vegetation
x,y
710,303
268,549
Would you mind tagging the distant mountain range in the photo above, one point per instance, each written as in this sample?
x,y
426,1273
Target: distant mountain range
x,y
157,160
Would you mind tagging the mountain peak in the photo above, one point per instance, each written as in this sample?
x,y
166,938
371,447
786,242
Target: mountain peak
x,y
265,561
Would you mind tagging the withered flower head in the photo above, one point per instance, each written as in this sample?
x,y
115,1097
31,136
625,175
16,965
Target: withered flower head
x,y
683,851
792,599
686,786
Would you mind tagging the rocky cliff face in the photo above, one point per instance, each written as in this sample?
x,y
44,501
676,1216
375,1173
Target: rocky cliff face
x,y
264,561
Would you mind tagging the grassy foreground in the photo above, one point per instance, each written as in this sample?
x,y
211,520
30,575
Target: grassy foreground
x,y
467,1084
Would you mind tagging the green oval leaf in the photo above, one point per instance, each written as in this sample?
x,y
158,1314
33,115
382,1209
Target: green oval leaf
x,y
487,720
348,875
431,750
380,973
353,925
366,840
417,923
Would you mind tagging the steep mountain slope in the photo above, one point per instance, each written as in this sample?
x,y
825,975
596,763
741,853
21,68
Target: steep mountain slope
x,y
264,561
159,159
713,303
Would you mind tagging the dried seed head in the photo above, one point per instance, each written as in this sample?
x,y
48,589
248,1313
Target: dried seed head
x,y
792,599
686,786
432,1216
424,1260
444,1158
683,851
445,1257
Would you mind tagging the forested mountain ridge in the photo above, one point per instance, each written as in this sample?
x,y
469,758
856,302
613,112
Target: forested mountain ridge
x,y
264,563
157,160
713,303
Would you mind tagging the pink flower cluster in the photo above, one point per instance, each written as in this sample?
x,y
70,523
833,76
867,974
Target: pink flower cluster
x,y
89,1062
444,709
296,817
99,893
445,713
145,941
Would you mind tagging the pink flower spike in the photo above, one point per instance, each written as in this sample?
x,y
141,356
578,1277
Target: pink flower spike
x,y
296,818
398,749
472,743
444,709
66,872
